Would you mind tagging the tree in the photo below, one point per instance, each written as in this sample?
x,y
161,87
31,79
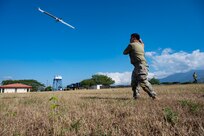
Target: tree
x,y
154,81
49,88
102,79
97,79
87,83
36,86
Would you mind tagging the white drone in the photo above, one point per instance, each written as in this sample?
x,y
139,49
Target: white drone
x,y
56,18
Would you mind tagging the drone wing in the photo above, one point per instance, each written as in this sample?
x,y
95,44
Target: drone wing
x,y
66,24
47,13
56,18
41,10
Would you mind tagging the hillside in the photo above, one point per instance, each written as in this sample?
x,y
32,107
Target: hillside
x,y
184,77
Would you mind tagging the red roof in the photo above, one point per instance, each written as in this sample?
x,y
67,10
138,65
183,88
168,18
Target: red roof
x,y
17,85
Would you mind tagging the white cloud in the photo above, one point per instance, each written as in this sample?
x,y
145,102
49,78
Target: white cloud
x,y
169,62
164,64
167,51
150,54
7,78
119,78
150,75
122,78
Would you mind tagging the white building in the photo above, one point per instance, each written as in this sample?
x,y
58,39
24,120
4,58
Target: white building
x,y
97,87
15,88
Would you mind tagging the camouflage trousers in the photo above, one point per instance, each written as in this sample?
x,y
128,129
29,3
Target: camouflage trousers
x,y
139,78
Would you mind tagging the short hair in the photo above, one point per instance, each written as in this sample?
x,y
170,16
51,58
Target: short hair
x,y
136,35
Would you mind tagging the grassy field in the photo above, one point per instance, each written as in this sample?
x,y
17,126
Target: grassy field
x,y
178,111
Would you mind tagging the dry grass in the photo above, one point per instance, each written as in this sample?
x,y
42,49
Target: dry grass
x,y
179,111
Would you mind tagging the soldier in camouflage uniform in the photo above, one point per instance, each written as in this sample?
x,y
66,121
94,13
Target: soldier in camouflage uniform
x,y
139,75
195,77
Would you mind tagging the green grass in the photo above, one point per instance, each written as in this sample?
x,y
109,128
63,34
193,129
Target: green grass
x,y
191,106
170,116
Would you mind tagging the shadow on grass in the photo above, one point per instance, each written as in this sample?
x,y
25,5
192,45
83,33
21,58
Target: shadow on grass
x,y
13,97
104,98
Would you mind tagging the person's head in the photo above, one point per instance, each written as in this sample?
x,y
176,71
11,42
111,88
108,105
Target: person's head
x,y
134,37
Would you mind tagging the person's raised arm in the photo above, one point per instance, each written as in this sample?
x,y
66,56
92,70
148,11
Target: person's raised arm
x,y
127,50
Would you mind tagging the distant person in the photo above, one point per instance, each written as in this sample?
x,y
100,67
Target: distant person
x,y
195,77
135,49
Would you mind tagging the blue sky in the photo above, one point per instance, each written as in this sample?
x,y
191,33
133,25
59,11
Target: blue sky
x,y
34,46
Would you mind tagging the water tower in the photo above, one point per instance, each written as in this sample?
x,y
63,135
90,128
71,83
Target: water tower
x,y
57,83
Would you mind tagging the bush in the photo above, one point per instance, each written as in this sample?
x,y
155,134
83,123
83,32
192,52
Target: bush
x,y
49,88
154,81
193,107
170,116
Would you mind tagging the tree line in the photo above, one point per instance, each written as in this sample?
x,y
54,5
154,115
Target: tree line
x,y
86,83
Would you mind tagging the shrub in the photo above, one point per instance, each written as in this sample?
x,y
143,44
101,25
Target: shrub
x,y
170,116
154,81
193,107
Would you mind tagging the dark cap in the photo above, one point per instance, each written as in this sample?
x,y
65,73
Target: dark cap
x,y
136,35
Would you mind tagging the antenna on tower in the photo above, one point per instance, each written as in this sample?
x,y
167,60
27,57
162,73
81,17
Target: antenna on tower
x,y
57,83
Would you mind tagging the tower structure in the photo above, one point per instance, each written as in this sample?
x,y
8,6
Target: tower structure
x,y
57,83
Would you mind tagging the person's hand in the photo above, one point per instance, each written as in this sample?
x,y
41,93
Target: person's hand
x,y
141,41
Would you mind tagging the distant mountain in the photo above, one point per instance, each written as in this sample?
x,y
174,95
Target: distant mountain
x,y
184,77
